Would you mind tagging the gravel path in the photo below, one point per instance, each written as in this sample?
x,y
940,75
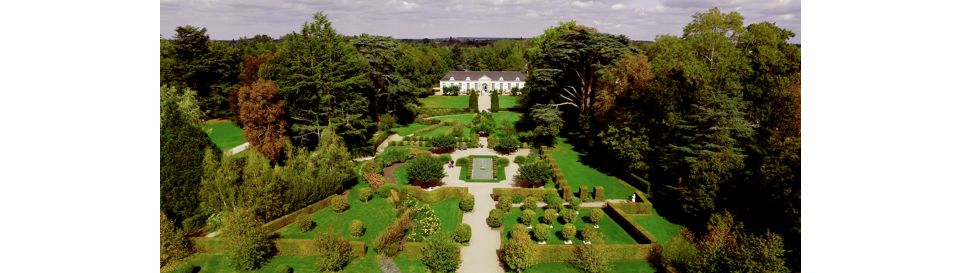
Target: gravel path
x,y
483,102
481,255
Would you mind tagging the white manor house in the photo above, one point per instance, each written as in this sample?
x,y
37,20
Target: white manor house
x,y
483,81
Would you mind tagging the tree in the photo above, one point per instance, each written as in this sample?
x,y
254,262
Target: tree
x,y
389,90
568,215
473,101
495,101
247,243
211,68
541,232
333,251
591,258
182,145
173,243
595,215
261,113
463,233
533,175
517,254
261,191
312,176
526,217
425,170
725,247
547,121
568,231
549,216
441,254
322,81
451,90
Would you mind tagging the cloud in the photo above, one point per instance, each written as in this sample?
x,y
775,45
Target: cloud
x,y
638,19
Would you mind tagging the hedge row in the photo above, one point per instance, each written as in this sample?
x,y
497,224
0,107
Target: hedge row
x,y
564,253
635,230
285,247
642,206
435,195
285,220
565,190
524,192
444,111
378,138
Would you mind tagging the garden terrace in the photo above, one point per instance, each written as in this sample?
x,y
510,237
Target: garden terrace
x,y
613,234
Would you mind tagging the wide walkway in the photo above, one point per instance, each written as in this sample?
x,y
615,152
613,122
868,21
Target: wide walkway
x,y
483,102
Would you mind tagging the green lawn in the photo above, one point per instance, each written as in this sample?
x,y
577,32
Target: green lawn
x,y
465,119
446,102
448,210
662,229
224,134
409,128
560,267
612,233
375,214
400,174
410,266
508,101
439,131
508,117
578,174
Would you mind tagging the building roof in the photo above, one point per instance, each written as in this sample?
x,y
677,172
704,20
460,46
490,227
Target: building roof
x,y
493,75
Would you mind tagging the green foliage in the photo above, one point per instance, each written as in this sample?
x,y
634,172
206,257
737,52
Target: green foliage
x,y
575,203
339,203
541,232
441,254
495,101
284,269
451,90
520,160
568,231
443,141
534,175
305,222
467,202
173,242
424,168
568,215
182,146
598,193
387,122
506,144
463,161
505,203
248,244
547,123
333,251
526,217
483,122
595,215
517,254
311,176
425,222
388,242
356,228
725,247
365,194
495,218
530,203
474,100
554,201
591,234
591,259
209,67
549,216
463,233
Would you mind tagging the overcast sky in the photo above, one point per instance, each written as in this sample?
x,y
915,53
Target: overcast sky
x,y
638,19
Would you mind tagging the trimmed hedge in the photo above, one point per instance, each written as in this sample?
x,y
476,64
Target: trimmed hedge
x,y
288,219
636,231
523,192
435,195
285,247
598,193
584,192
564,253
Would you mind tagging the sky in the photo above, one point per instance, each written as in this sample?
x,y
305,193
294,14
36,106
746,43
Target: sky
x,y
638,19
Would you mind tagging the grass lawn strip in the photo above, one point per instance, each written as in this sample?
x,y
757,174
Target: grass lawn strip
x,y
578,174
613,234
409,128
446,102
662,229
508,102
224,134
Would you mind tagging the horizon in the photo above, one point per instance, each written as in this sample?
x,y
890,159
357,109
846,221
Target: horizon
x,y
640,20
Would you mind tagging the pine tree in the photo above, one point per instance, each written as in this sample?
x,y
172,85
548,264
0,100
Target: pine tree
x,y
182,145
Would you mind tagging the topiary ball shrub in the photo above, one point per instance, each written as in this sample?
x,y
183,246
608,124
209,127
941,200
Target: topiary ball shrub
x,y
530,202
462,234
495,219
575,203
365,194
553,201
520,231
549,216
425,171
591,234
520,160
526,217
463,161
305,222
466,204
541,232
356,228
284,269
595,215
504,203
339,203
568,215
568,232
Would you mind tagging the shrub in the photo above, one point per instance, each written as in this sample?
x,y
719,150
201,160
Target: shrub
x,y
305,222
591,259
520,160
425,171
444,158
591,234
519,231
356,228
554,201
388,242
365,194
495,219
502,161
375,180
425,222
598,193
584,192
441,254
284,269
595,216
384,191
517,253
339,203
530,202
463,161
568,215
541,232
575,203
504,203
451,90
248,243
533,175
466,203
516,199
392,155
443,142
506,144
174,244
549,216
333,251
526,217
495,101
568,231
387,121
463,233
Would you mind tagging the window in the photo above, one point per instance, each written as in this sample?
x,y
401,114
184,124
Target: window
x,y
509,85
